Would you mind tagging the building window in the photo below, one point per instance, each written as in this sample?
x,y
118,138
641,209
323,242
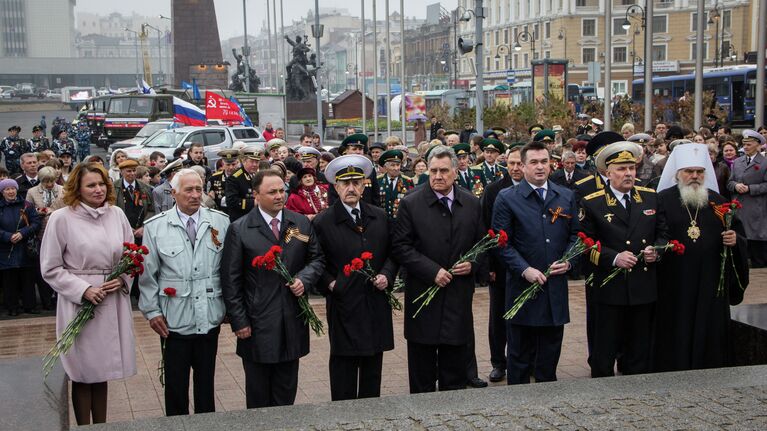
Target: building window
x,y
725,50
527,60
619,87
589,27
694,26
536,35
497,64
547,54
547,30
659,24
618,27
694,51
628,2
726,19
580,3
588,55
487,63
659,52
506,35
620,54
516,61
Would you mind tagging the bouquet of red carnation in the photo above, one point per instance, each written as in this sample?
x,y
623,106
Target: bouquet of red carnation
x,y
582,245
131,263
489,241
675,246
362,265
271,261
726,213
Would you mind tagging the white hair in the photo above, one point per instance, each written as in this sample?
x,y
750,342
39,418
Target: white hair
x,y
441,151
186,172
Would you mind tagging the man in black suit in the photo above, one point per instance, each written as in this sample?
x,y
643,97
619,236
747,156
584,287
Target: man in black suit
x,y
624,218
496,323
435,225
569,174
263,309
359,314
28,176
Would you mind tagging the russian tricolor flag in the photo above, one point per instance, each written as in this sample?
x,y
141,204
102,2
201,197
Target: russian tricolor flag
x,y
186,113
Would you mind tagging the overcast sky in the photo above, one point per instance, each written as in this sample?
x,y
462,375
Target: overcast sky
x,y
229,12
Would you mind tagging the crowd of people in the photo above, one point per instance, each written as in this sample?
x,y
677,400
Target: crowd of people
x,y
411,213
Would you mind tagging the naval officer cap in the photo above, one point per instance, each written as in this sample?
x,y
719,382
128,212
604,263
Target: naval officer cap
x,y
228,155
308,153
351,167
750,135
617,153
172,167
640,138
251,152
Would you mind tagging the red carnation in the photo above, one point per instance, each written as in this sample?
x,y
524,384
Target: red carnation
x,y
366,255
599,246
476,177
257,261
276,249
582,235
347,270
736,204
144,250
588,242
170,291
503,238
491,234
357,264
756,167
677,247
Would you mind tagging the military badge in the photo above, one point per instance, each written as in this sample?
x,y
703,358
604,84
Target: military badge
x,y
649,212
581,214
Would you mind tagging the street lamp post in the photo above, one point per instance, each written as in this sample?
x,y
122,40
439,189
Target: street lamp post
x,y
633,12
525,37
351,68
159,50
563,36
135,46
169,69
713,19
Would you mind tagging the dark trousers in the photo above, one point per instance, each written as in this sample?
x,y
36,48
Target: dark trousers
x,y
590,319
757,253
353,377
182,354
19,282
269,385
43,288
533,350
496,328
471,356
626,329
428,364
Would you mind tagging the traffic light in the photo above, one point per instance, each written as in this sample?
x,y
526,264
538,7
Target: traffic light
x,y
465,45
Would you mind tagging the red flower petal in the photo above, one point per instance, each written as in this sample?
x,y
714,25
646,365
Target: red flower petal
x,y
347,270
366,255
357,264
491,234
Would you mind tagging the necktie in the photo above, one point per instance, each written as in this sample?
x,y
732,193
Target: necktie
x,y
446,202
541,192
749,160
33,182
627,201
568,176
130,190
275,228
356,213
191,230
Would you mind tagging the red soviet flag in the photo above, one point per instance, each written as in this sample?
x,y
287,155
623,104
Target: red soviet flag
x,y
220,108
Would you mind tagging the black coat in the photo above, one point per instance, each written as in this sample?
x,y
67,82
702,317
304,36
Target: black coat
x,y
428,237
558,177
487,201
371,194
359,315
605,219
258,297
24,184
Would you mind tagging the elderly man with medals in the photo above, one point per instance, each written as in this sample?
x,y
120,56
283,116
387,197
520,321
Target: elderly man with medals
x,y
694,290
392,184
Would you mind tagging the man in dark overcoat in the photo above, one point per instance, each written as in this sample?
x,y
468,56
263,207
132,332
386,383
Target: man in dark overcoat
x,y
359,314
263,309
436,224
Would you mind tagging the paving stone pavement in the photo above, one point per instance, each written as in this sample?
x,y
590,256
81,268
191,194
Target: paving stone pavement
x,y
141,396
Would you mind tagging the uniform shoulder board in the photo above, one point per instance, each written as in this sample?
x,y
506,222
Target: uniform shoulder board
x,y
595,195
155,217
380,176
476,167
644,189
237,173
407,178
583,180
217,174
503,167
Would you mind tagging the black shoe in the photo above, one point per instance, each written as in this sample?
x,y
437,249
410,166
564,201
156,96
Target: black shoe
x,y
13,313
497,374
32,311
476,382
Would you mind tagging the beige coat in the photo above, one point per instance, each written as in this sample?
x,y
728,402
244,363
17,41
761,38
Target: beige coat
x,y
35,197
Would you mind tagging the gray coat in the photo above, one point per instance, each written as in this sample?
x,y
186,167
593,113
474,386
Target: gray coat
x,y
163,201
754,175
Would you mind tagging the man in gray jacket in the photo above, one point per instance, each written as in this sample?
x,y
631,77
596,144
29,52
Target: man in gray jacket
x,y
181,292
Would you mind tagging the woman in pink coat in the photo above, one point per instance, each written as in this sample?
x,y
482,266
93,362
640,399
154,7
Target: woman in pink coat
x,y
82,244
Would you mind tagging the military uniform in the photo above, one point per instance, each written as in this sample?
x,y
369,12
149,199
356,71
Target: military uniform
x,y
217,182
625,305
484,174
63,146
37,145
83,139
392,190
161,196
12,148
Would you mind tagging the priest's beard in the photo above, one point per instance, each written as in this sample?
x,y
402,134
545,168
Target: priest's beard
x,y
693,195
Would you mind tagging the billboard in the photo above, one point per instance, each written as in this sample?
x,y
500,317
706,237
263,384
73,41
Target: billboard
x,y
549,79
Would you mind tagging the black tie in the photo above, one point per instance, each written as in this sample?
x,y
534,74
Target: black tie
x,y
33,182
356,213
627,199
446,202
130,190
